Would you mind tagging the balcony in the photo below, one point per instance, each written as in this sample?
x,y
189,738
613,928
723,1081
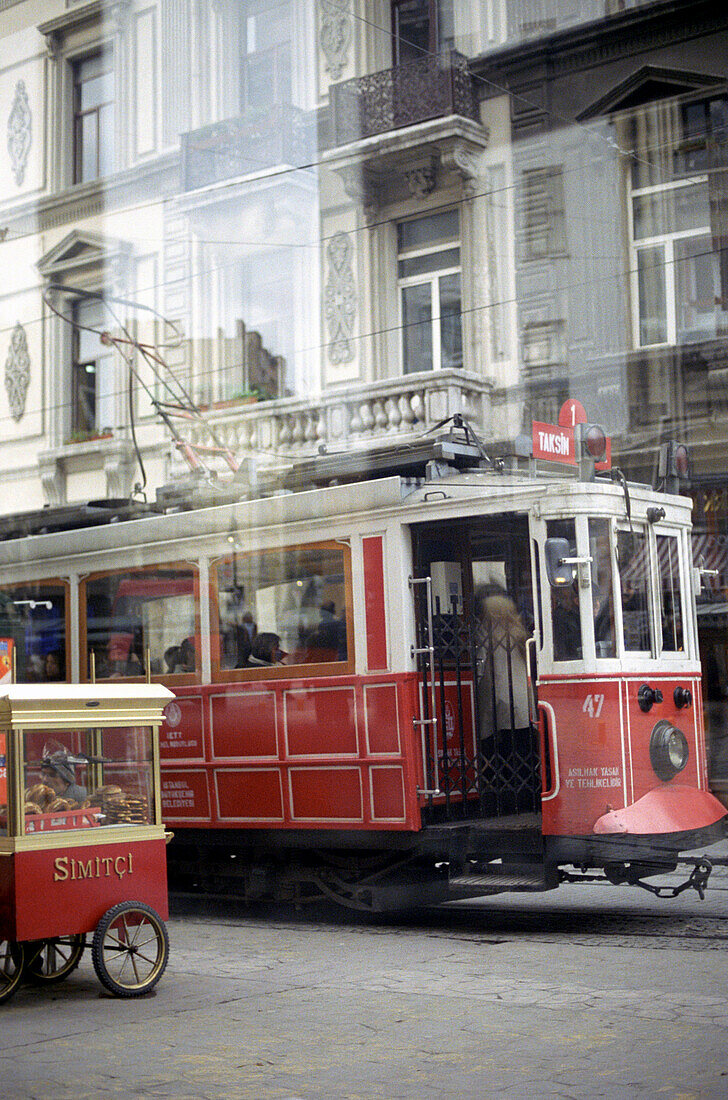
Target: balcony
x,y
281,135
418,91
395,411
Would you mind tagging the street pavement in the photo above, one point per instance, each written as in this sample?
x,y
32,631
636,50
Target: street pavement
x,y
588,991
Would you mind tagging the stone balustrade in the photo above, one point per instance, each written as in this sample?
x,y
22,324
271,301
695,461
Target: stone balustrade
x,y
395,411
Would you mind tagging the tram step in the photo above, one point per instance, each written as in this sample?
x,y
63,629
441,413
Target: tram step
x,y
528,880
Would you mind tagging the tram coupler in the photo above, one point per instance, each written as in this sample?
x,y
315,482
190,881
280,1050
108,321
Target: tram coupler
x,y
629,874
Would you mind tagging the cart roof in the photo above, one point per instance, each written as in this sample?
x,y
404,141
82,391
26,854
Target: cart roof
x,y
63,705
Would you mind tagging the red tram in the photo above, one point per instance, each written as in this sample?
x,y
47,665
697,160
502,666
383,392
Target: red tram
x,y
457,678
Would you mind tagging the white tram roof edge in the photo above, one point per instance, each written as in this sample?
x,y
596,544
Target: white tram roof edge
x,y
488,492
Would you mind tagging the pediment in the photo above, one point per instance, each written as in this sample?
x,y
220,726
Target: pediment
x,y
80,250
649,84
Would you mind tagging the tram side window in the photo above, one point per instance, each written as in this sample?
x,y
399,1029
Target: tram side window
x,y
634,579
602,588
671,609
142,611
82,779
565,620
283,607
33,633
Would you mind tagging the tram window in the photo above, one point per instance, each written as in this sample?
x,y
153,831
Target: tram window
x,y
296,595
75,779
602,587
634,580
565,619
671,609
142,611
33,633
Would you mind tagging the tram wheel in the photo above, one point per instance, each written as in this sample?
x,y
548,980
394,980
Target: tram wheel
x,y
12,958
130,949
48,961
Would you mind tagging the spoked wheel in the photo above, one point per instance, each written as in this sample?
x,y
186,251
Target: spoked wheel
x,y
11,967
53,960
130,949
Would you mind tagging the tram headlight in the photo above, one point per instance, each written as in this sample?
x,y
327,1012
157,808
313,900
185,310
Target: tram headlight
x,y
668,750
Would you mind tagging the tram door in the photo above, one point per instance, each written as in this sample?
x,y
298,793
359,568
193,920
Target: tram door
x,y
474,601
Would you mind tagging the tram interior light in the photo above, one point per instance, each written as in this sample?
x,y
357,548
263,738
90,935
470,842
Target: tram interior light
x,y
559,573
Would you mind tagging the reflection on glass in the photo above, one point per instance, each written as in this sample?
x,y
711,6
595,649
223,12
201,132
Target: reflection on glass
x,y
565,615
602,592
671,608
85,779
701,315
266,53
282,607
33,633
417,328
451,335
652,296
634,579
142,611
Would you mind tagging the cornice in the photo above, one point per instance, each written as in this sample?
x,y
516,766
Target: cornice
x,y
74,17
159,177
616,36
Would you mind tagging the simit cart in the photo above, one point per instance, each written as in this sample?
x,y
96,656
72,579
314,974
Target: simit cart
x,y
82,845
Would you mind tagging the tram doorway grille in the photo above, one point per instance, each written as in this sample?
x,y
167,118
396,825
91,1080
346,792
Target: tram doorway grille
x,y
479,742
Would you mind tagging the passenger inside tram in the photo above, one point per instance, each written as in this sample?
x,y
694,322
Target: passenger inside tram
x,y
266,651
566,623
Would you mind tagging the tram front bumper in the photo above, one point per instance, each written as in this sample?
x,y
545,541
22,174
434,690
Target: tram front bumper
x,y
667,809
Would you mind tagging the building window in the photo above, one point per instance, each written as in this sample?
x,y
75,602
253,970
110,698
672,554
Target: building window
x,y
428,265
676,270
265,54
542,223
92,372
93,117
421,27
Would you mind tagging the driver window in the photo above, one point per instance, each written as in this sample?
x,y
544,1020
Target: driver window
x,y
602,587
565,618
670,599
634,580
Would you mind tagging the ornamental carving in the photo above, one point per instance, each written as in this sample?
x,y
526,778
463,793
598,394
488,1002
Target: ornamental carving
x,y
17,372
340,298
335,36
19,132
421,180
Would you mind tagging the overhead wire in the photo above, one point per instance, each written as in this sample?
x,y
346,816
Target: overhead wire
x,y
448,204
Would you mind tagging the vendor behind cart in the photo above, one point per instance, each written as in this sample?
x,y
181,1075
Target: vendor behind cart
x,y
57,771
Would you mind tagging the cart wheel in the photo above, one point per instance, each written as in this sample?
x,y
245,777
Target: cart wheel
x,y
130,949
53,960
11,967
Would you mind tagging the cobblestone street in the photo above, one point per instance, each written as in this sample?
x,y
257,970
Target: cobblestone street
x,y
585,992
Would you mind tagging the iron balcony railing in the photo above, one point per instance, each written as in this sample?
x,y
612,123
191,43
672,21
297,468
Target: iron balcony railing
x,y
434,86
279,135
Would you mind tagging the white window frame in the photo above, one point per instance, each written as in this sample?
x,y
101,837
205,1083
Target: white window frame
x,y
667,242
431,279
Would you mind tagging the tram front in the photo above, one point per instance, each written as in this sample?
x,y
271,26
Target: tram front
x,y
624,771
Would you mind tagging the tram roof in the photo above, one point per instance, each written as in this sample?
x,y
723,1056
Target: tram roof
x,y
426,474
